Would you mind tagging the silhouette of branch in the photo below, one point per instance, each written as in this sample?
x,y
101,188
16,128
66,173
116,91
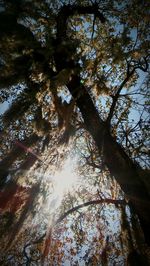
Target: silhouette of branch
x,y
69,10
93,202
115,98
70,211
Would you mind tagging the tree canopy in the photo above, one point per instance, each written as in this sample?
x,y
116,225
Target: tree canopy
x,y
74,121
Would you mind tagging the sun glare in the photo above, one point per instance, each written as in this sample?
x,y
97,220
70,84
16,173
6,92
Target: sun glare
x,y
63,182
66,179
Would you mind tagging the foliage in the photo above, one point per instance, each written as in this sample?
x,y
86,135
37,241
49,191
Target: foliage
x,y
75,77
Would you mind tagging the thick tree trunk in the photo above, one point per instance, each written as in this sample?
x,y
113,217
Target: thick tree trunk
x,y
115,158
126,174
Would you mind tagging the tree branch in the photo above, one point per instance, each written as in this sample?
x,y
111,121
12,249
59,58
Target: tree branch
x,y
70,211
129,75
115,98
120,165
144,68
69,10
93,202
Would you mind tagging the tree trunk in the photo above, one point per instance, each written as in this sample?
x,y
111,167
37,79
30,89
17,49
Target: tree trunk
x,y
115,158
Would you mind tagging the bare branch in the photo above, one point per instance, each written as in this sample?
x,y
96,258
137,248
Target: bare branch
x,y
93,202
115,98
145,67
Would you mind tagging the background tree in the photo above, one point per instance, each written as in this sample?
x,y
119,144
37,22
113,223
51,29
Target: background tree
x,y
75,75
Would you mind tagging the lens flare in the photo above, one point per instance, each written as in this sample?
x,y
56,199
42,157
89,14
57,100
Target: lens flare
x,y
66,179
63,182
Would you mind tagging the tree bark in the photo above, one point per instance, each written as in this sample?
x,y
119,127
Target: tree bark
x,y
115,158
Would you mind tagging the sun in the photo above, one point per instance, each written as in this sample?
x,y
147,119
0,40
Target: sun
x,y
63,181
66,178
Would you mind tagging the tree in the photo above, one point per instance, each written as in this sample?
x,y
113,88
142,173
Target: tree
x,y
73,69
